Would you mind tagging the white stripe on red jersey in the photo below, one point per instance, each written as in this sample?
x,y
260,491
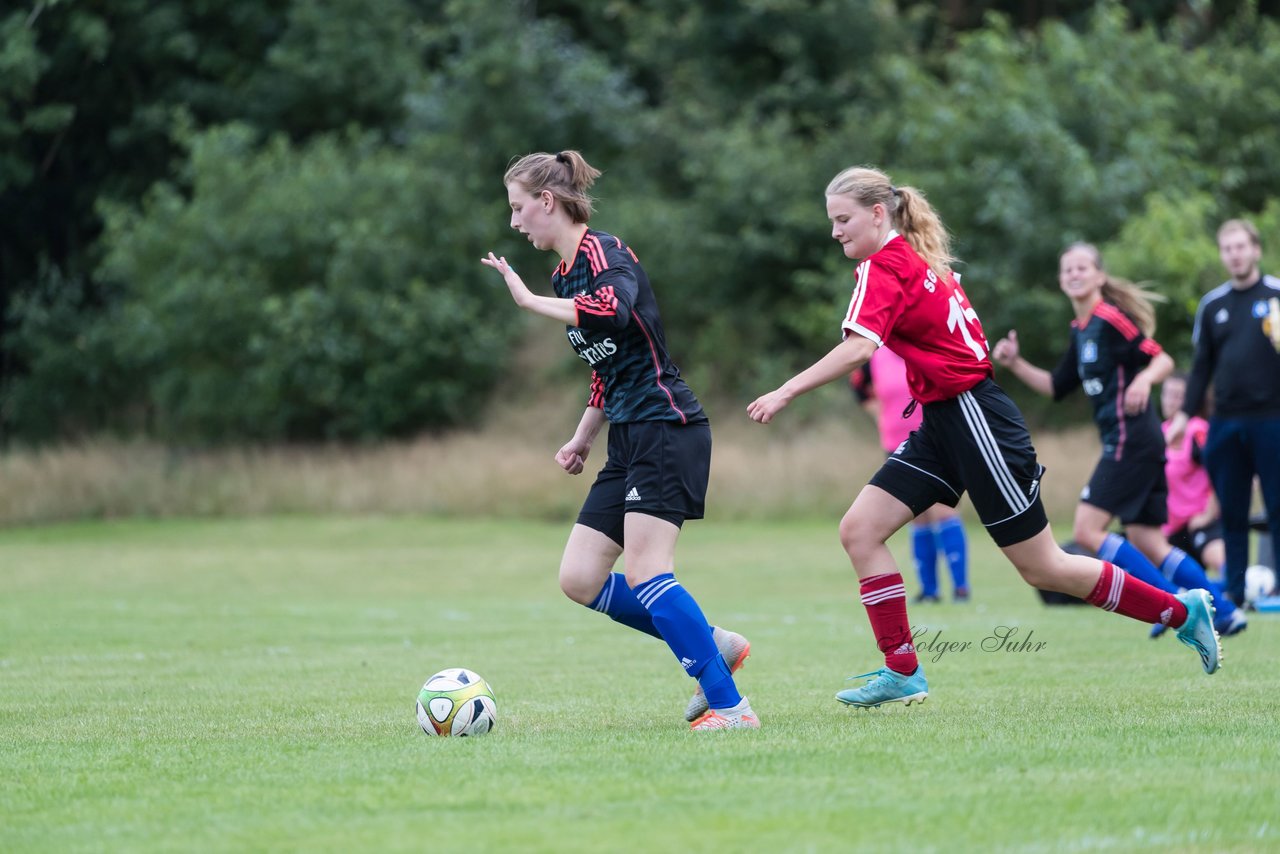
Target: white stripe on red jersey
x,y
927,320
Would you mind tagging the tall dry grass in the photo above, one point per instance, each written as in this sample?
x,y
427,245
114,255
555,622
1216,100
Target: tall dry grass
x,y
504,470
810,463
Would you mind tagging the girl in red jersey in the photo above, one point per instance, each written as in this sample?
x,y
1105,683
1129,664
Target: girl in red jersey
x,y
1112,356
972,437
659,455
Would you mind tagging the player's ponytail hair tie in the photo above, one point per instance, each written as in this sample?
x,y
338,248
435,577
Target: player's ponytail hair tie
x,y
894,191
537,172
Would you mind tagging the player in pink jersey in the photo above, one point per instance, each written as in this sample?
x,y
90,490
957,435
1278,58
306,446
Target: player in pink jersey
x,y
972,436
881,388
1194,522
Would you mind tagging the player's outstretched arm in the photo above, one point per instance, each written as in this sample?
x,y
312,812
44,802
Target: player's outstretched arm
x,y
1007,353
558,309
844,358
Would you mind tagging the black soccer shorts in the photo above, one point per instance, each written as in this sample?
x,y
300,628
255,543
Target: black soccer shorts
x,y
1133,489
1193,542
976,442
660,468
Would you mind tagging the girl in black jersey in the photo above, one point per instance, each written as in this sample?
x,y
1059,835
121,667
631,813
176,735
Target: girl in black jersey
x,y
659,453
1112,357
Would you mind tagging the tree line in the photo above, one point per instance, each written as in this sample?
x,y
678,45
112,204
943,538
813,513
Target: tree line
x,y
233,220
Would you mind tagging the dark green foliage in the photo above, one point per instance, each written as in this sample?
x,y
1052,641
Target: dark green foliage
x,y
263,220
294,293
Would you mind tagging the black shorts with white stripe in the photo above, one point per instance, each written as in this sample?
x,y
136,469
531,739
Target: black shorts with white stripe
x,y
659,468
977,442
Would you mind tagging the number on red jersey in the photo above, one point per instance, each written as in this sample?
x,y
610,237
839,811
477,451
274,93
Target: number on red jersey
x,y
900,303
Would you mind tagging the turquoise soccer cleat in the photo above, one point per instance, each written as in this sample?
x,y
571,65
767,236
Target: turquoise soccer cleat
x,y
886,686
1198,631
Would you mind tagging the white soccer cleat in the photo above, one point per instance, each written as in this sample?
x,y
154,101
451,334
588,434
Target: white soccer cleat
x,y
735,650
739,717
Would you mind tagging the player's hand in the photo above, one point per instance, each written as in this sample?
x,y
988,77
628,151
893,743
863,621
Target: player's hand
x,y
763,408
1137,396
1006,350
572,457
519,290
1177,428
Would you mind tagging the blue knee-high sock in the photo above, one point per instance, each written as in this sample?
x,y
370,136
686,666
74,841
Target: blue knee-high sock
x,y
925,550
683,626
952,541
1116,549
621,605
1183,570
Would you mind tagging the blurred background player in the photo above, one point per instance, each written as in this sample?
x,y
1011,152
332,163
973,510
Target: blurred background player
x,y
1111,356
659,453
1237,338
1194,523
880,386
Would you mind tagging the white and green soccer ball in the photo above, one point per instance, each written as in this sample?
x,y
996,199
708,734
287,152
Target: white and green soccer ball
x,y
1259,583
457,702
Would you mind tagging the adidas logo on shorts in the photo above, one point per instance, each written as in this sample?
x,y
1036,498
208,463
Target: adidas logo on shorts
x,y
633,495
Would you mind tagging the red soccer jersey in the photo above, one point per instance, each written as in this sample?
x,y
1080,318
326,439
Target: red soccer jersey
x,y
898,301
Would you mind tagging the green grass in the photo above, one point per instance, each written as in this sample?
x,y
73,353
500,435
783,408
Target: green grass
x,y
233,686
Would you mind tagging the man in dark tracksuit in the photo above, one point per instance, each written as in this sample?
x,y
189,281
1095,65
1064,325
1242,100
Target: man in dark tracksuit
x,y
1237,338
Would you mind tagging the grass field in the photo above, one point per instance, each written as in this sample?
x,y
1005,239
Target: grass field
x,y
249,685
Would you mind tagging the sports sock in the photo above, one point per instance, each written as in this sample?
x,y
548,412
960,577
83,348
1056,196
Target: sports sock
x,y
925,550
1130,596
1116,549
952,540
682,625
620,604
885,599
1185,571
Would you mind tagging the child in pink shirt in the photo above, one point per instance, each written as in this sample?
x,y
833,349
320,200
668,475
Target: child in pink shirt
x,y
1193,524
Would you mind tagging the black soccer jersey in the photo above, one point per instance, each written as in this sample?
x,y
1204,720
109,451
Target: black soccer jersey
x,y
1104,356
1234,351
619,334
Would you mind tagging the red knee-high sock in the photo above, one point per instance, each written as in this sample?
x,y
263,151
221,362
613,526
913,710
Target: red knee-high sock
x,y
885,599
1118,591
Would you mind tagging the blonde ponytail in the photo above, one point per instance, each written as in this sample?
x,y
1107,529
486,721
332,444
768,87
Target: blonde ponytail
x,y
920,224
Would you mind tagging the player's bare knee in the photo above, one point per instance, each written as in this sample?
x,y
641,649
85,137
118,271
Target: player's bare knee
x,y
578,586
857,537
1037,574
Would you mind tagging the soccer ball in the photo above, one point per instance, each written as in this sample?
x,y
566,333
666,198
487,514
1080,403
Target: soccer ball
x,y
456,702
1259,582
